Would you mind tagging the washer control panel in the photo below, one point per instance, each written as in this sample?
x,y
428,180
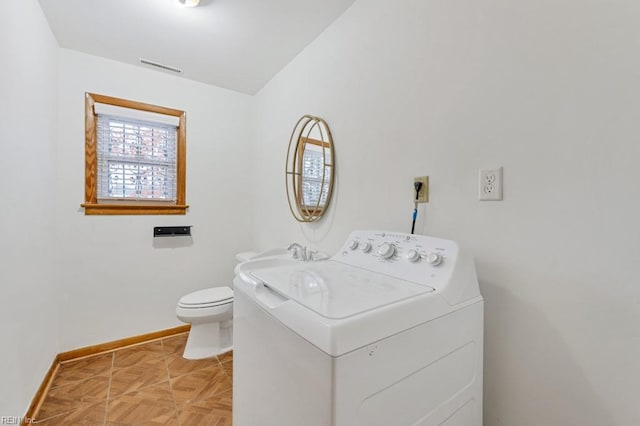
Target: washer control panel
x,y
417,258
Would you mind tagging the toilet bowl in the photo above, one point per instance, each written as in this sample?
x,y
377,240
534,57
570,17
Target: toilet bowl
x,y
210,313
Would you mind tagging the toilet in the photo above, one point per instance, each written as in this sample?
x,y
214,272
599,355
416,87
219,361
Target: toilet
x,y
210,313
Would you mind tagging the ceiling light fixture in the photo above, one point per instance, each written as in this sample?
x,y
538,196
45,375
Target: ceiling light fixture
x,y
188,3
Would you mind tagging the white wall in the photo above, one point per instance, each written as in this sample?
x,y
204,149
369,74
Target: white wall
x,y
116,280
28,88
547,89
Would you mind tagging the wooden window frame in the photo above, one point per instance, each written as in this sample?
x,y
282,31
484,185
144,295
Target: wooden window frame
x,y
130,207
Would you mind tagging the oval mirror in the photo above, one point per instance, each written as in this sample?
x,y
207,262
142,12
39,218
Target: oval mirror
x,y
310,169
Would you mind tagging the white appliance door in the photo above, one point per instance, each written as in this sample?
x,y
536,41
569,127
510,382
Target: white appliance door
x,y
335,290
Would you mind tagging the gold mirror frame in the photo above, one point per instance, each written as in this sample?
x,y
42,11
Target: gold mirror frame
x,y
294,174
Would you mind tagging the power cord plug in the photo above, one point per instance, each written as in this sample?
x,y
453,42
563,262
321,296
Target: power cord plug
x,y
418,187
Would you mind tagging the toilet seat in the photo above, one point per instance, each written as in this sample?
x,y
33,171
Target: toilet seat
x,y
207,298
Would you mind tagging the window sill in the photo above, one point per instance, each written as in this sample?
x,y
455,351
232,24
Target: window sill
x,y
129,209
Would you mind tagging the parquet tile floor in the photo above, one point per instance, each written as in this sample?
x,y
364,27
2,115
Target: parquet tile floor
x,y
146,384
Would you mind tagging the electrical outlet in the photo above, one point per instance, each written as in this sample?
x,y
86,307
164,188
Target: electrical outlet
x,y
490,184
423,194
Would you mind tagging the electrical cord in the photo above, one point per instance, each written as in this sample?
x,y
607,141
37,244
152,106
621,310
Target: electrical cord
x,y
418,187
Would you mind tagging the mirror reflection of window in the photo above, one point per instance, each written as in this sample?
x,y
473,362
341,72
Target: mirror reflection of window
x,y
310,169
314,160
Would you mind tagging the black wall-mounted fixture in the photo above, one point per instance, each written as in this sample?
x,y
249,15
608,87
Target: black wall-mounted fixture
x,y
172,231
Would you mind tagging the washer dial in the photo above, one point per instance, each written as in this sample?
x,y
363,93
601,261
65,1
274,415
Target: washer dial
x,y
386,251
413,256
434,259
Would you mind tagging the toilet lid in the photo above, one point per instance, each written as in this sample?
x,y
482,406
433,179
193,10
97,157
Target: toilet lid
x,y
210,297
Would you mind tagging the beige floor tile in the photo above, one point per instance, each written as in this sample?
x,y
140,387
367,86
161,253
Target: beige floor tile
x,y
175,344
94,414
141,385
225,357
228,368
149,406
202,384
138,376
75,371
179,366
124,358
73,396
213,411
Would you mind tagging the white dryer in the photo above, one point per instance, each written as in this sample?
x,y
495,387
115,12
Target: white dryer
x,y
387,332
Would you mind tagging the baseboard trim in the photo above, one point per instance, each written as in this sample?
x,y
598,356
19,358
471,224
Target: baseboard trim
x,y
89,351
40,393
119,344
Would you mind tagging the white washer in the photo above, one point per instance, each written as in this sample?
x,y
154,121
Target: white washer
x,y
387,332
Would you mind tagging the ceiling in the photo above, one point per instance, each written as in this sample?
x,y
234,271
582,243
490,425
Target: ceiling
x,y
236,44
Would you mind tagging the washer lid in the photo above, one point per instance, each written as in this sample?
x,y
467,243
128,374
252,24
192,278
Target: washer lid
x,y
207,296
335,290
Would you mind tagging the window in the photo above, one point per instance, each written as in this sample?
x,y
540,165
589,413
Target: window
x,y
134,157
315,158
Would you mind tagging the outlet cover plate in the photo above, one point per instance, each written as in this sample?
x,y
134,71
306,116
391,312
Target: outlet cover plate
x,y
423,195
490,184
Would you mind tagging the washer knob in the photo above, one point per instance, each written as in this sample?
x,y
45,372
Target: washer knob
x,y
434,259
366,247
413,256
386,251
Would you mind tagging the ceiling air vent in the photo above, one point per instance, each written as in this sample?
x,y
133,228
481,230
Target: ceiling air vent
x,y
161,66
